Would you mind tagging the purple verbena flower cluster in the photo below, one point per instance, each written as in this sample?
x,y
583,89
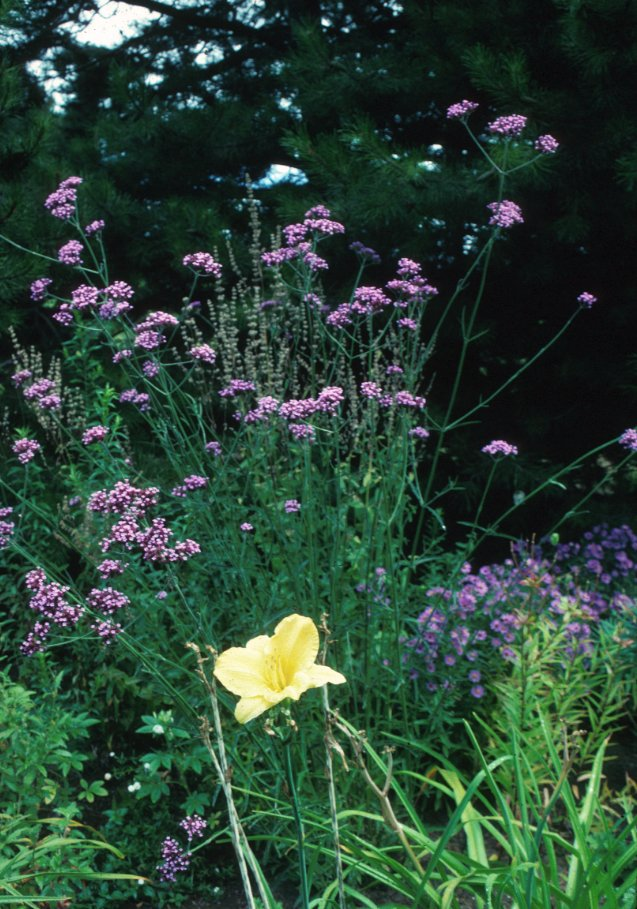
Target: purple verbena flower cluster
x,y
107,600
587,299
194,826
292,506
41,394
511,125
140,398
189,484
94,227
203,263
25,449
365,252
135,529
409,287
505,214
49,601
500,448
629,439
7,528
148,333
461,109
94,434
71,253
39,289
236,387
204,353
317,222
61,203
109,302
175,860
108,568
546,145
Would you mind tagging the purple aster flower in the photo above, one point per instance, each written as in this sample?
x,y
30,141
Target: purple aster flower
x,y
25,449
499,447
505,214
461,109
39,289
586,299
629,439
477,691
546,145
71,253
511,125
203,263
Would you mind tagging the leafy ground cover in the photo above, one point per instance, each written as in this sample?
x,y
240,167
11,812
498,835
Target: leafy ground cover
x,y
235,623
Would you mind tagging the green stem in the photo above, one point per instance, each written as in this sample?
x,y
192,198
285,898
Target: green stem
x,y
289,772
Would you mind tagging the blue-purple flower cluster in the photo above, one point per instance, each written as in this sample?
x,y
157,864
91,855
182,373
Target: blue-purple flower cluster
x,y
465,626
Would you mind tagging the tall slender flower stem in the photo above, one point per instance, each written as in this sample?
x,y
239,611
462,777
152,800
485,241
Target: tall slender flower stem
x,y
296,810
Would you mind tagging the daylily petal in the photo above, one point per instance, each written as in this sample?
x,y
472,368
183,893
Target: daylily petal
x,y
319,675
248,708
260,644
296,642
241,671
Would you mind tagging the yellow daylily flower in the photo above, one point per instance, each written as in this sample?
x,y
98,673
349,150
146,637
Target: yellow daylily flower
x,y
270,669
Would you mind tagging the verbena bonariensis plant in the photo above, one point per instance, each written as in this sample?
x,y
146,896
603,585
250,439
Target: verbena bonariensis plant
x,y
203,472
